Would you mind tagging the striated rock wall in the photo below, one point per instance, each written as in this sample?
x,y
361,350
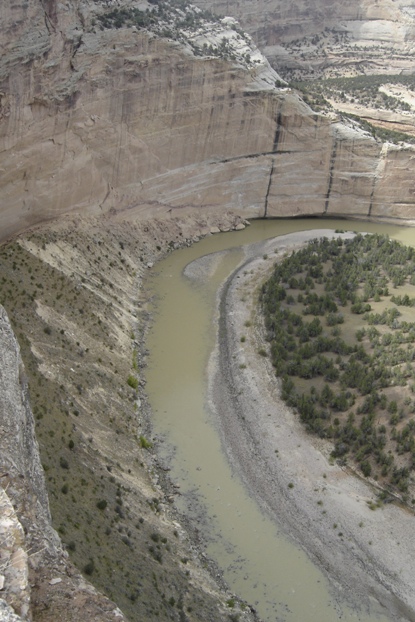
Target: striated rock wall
x,y
98,120
14,582
277,21
274,22
20,464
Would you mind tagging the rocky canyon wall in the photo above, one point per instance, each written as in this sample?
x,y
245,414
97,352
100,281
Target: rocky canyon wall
x,y
276,21
341,38
102,120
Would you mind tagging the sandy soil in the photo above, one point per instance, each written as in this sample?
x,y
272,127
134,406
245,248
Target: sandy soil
x,y
368,555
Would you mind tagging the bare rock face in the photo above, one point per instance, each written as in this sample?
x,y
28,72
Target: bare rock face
x,y
14,580
20,468
383,21
100,120
7,614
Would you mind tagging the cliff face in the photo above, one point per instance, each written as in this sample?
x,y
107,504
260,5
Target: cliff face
x,y
284,22
96,120
25,518
277,21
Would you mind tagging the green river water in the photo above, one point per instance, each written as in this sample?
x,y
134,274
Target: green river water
x,y
258,562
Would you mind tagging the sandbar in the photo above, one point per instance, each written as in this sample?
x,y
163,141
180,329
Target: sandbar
x,y
368,557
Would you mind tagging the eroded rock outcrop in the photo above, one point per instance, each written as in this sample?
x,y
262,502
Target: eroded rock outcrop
x,y
14,562
329,39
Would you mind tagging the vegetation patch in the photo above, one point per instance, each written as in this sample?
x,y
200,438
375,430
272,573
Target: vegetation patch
x,y
339,324
205,33
180,12
367,91
381,133
132,381
144,443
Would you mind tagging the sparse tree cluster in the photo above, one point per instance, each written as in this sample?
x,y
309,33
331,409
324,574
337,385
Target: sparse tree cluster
x,y
345,352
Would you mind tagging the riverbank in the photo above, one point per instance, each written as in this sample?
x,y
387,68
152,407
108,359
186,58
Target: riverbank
x,y
366,554
81,325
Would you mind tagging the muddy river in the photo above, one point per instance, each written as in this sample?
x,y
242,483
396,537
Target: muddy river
x,y
258,562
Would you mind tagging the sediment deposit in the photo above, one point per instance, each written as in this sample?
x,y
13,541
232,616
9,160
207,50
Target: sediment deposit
x,y
366,554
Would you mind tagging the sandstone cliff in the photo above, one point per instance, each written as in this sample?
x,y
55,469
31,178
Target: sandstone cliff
x,y
97,120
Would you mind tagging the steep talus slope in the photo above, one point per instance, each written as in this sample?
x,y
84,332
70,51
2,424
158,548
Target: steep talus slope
x,y
99,119
36,575
73,293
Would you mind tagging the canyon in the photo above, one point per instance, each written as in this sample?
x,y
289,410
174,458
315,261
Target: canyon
x,y
118,144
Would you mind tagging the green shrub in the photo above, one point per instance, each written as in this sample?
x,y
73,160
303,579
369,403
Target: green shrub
x,y
144,443
366,468
132,381
89,568
63,463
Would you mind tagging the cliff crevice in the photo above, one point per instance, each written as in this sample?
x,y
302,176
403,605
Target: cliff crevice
x,y
330,175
